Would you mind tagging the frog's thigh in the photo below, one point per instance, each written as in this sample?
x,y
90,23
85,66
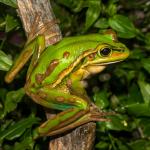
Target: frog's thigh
x,y
74,107
58,99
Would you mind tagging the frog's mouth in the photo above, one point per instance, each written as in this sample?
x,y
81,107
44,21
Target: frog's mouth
x,y
104,63
99,64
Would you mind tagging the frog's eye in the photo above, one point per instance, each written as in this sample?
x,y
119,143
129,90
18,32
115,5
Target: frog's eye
x,y
104,51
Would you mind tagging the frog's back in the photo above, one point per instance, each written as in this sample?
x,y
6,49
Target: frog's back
x,y
58,58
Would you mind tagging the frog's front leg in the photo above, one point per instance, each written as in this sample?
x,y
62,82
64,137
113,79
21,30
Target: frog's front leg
x,y
76,82
38,44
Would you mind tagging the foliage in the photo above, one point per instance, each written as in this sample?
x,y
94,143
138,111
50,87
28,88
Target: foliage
x,y
123,87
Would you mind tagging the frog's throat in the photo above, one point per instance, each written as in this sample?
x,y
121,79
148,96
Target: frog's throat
x,y
90,70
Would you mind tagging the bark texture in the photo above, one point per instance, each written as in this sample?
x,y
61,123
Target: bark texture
x,y
38,18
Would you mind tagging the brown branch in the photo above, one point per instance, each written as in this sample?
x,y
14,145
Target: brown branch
x,y
38,18
82,138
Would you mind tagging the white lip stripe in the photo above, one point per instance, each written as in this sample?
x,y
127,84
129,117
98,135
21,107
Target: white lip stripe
x,y
107,63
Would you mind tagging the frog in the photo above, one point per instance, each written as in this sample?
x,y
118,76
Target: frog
x,y
56,75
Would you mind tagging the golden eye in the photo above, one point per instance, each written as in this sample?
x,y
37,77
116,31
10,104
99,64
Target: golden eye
x,y
104,52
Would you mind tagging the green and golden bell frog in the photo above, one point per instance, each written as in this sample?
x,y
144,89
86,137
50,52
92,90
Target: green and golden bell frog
x,y
55,75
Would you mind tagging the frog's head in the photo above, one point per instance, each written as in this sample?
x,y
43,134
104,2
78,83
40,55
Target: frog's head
x,y
108,51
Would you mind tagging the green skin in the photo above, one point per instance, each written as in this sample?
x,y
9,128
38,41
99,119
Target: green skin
x,y
55,75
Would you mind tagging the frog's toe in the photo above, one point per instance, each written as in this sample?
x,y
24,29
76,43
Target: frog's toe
x,y
99,115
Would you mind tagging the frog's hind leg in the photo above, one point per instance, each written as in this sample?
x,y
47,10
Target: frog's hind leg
x,y
76,111
88,117
72,107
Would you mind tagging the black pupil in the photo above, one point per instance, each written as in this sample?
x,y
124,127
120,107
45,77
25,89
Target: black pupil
x,y
105,51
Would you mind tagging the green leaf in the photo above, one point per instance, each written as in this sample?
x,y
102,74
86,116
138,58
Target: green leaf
x,y
5,61
18,128
92,13
146,64
138,109
75,6
12,99
137,54
145,126
147,40
102,145
100,99
11,23
140,144
102,23
134,95
6,124
112,8
145,90
3,92
121,145
11,3
123,26
118,123
26,144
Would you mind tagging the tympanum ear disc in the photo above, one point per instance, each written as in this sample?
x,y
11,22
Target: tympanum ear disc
x,y
112,33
